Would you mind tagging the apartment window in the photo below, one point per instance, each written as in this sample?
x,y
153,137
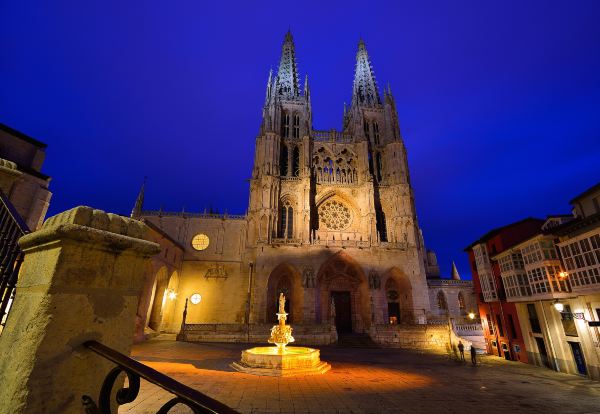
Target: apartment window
x,y
490,323
568,322
499,324
533,318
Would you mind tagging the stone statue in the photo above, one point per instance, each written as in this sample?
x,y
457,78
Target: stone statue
x,y
281,303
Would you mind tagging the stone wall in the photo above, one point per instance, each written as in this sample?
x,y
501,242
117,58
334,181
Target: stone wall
x,y
214,332
419,337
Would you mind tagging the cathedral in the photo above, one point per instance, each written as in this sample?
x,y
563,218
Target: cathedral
x,y
331,223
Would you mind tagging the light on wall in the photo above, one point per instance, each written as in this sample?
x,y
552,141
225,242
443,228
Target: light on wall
x,y
559,306
563,275
195,298
172,294
471,315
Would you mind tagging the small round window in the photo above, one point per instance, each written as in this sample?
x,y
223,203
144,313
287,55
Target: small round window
x,y
200,241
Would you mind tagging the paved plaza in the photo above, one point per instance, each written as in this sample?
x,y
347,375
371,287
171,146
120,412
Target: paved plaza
x,y
365,380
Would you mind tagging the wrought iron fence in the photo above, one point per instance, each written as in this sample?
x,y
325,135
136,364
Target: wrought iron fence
x,y
12,227
195,400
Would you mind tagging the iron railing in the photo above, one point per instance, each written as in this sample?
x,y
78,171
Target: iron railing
x,y
12,227
134,370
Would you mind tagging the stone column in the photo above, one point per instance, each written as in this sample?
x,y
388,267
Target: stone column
x,y
80,281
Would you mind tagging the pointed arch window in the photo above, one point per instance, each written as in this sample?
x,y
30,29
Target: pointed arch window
x,y
296,126
441,301
376,132
286,220
283,160
285,125
381,225
366,127
296,162
379,166
461,303
370,163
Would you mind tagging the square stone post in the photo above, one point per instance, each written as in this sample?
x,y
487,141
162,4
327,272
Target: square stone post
x,y
80,281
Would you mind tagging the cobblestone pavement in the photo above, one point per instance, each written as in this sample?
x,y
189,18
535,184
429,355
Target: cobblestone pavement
x,y
365,381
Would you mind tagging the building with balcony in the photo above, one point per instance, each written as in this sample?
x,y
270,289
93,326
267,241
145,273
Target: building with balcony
x,y
552,279
499,318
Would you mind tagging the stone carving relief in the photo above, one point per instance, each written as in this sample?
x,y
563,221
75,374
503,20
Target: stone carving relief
x,y
308,278
374,280
216,271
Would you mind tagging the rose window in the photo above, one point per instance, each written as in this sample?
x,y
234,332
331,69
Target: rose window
x,y
335,215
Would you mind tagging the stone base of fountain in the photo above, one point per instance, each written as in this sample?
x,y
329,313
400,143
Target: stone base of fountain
x,y
270,361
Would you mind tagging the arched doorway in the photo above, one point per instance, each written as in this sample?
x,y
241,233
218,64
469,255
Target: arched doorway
x,y
284,279
159,299
341,282
398,297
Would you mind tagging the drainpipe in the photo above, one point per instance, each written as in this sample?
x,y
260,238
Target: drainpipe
x,y
249,300
549,337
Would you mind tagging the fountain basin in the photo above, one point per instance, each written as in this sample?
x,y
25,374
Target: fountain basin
x,y
294,360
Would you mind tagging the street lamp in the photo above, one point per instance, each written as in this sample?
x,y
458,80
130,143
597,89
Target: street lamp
x,y
471,315
559,306
563,275
171,294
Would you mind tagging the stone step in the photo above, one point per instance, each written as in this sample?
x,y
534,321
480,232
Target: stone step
x,y
356,341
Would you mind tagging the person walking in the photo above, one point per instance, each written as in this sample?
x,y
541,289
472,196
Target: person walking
x,y
461,349
473,355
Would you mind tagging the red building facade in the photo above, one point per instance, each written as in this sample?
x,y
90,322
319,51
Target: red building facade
x,y
499,318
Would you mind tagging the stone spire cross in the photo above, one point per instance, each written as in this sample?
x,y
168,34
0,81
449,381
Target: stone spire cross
x,y
287,74
364,90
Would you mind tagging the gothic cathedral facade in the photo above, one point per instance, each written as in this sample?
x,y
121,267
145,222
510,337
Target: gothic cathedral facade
x,y
331,223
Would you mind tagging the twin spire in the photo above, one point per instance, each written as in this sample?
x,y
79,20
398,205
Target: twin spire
x,y
364,88
286,85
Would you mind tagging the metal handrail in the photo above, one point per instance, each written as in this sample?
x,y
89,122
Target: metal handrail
x,y
195,400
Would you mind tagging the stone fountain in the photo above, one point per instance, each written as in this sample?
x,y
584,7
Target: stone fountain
x,y
281,360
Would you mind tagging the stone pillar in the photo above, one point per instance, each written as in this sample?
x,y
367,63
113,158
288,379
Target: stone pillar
x,y
80,281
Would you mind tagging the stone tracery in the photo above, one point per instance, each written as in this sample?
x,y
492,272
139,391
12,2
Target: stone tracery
x,y
335,215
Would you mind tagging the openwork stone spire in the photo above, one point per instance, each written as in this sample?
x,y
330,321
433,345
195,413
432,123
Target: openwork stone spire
x,y
364,91
287,74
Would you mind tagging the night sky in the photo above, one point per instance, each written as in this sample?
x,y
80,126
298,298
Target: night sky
x,y
499,105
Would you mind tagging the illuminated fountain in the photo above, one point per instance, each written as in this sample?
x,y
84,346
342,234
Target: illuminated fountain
x,y
281,360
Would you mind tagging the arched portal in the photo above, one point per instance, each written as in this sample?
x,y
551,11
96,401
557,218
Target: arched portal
x,y
170,301
341,280
284,279
157,302
398,298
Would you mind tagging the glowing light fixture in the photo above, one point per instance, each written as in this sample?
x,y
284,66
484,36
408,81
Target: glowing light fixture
x,y
200,242
471,315
172,295
559,306
195,298
563,275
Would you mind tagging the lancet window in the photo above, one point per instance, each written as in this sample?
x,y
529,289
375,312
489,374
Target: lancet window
x,y
285,125
379,165
366,128
283,160
296,162
296,126
286,220
376,132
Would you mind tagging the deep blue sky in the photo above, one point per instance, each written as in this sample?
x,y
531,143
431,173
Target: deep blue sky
x,y
499,104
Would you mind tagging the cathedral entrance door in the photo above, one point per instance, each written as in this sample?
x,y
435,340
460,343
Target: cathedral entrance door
x,y
343,311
